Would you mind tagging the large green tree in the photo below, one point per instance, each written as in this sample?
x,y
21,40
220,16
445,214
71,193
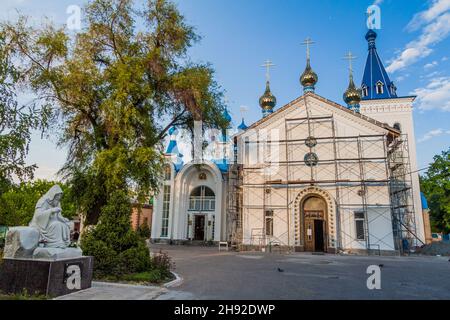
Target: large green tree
x,y
116,88
16,122
435,184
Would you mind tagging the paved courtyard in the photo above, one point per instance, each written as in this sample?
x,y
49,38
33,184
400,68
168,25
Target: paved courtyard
x,y
210,274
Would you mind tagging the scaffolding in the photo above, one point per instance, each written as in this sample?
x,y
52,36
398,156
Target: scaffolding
x,y
370,174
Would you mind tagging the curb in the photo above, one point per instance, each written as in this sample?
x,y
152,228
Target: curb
x,y
174,283
100,284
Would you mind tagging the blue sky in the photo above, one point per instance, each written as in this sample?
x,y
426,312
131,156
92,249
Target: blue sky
x,y
239,35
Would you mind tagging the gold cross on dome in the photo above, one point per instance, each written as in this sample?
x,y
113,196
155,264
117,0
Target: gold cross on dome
x,y
350,57
308,42
268,64
243,110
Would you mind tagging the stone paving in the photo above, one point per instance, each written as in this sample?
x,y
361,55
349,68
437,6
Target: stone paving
x,y
111,291
210,274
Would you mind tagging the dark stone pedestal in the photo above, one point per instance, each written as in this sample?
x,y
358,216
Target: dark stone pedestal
x,y
46,277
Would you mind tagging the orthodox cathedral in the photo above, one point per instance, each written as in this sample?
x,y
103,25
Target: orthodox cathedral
x,y
313,175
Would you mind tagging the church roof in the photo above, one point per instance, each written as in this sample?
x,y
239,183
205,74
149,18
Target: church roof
x,y
375,74
222,164
172,148
329,102
424,201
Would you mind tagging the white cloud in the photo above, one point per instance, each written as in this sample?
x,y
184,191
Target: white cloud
x,y
430,65
432,134
431,75
437,8
435,95
435,24
402,77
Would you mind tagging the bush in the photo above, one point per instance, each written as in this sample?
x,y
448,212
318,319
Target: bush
x,y
163,263
115,246
144,231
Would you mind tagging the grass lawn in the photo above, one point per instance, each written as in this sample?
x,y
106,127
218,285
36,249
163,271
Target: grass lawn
x,y
12,297
144,278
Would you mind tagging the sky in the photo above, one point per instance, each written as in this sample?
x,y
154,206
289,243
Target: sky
x,y
239,35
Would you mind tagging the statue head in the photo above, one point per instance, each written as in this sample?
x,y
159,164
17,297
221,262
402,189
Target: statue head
x,y
53,197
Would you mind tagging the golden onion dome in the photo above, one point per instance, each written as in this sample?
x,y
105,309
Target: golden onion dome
x,y
352,95
268,100
309,78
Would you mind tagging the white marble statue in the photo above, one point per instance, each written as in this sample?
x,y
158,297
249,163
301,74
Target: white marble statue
x,y
47,237
53,227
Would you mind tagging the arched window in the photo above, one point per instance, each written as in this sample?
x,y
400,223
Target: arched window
x,y
398,126
365,91
202,199
380,87
167,172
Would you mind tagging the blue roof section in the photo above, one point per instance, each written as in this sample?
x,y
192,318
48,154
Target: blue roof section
x,y
222,164
179,166
172,148
375,73
424,201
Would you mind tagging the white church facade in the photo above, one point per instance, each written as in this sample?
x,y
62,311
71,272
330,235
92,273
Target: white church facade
x,y
310,176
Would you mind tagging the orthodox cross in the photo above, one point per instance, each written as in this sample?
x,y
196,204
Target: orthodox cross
x,y
350,57
243,110
268,64
308,42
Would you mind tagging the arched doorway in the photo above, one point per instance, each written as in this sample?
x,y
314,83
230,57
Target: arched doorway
x,y
314,210
202,205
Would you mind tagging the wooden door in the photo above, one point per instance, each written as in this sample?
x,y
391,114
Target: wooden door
x,y
199,233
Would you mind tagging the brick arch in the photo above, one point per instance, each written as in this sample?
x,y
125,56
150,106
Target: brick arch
x,y
331,214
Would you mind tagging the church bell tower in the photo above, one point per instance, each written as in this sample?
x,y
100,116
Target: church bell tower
x,y
381,102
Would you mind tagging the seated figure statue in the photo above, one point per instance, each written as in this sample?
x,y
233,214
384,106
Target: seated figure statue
x,y
47,237
53,227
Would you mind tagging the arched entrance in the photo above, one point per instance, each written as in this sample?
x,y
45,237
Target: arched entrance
x,y
315,213
202,205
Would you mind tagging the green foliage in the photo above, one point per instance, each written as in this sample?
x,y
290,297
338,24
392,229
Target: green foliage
x,y
23,296
16,122
152,276
116,247
118,89
435,184
144,231
163,262
17,203
3,231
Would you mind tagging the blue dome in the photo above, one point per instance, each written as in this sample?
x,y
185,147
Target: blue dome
x,y
227,116
173,131
243,126
371,35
